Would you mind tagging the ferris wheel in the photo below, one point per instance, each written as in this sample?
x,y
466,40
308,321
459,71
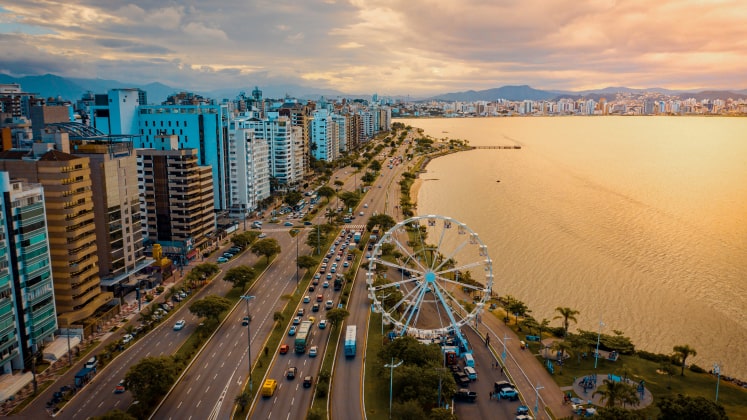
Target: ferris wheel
x,y
429,275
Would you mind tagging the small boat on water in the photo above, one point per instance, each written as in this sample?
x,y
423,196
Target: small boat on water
x,y
498,180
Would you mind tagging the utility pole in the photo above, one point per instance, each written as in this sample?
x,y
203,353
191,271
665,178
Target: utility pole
x,y
247,298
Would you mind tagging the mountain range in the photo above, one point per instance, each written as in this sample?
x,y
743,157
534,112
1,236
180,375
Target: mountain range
x,y
50,85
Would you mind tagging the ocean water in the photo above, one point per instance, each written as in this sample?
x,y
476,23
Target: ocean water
x,y
640,222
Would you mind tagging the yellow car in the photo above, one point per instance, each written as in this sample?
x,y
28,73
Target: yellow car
x,y
312,319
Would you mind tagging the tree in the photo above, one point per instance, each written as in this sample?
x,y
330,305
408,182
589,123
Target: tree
x,y
307,262
326,192
689,408
611,392
338,183
683,352
567,314
375,165
368,177
242,400
618,413
337,315
384,221
241,276
408,410
516,307
441,414
266,247
151,378
210,307
542,325
242,240
349,198
292,198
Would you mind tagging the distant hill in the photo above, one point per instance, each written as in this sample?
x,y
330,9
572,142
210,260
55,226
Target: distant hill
x,y
511,93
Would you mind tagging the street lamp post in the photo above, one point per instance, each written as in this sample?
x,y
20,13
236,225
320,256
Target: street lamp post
x,y
596,354
536,401
391,367
382,313
297,278
717,371
503,355
247,298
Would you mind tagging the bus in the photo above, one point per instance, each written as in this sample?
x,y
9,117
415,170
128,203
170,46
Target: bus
x,y
350,334
302,336
300,205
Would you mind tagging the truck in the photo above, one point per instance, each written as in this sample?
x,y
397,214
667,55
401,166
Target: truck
x,y
302,336
350,337
357,237
269,387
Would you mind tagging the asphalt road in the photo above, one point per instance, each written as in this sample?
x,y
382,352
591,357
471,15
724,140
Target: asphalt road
x,y
216,376
346,400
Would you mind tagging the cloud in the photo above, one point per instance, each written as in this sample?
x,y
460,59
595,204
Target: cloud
x,y
389,46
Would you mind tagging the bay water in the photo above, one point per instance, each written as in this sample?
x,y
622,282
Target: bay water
x,y
637,222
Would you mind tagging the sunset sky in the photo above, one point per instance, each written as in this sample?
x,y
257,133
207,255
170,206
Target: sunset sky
x,y
414,47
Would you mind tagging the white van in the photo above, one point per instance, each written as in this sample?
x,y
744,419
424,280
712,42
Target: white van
x,y
469,360
471,373
92,362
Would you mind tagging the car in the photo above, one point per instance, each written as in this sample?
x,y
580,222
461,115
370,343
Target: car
x,y
311,288
127,338
325,284
338,258
320,297
508,393
284,349
262,235
287,224
329,276
179,324
221,260
346,264
313,351
360,214
291,372
329,304
308,381
296,320
292,330
307,223
120,388
300,312
312,319
317,276
234,250
315,308
306,299
498,385
465,395
461,378
322,324
365,206
228,255
245,321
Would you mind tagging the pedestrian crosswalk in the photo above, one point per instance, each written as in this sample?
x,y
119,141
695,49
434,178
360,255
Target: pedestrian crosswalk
x,y
355,227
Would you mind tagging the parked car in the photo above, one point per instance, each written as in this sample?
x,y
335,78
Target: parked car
x,y
287,224
508,393
179,324
465,395
221,260
262,235
127,338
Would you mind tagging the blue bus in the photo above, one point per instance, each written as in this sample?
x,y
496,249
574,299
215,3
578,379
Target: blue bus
x,y
350,341
300,205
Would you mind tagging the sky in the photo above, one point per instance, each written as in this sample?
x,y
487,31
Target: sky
x,y
390,47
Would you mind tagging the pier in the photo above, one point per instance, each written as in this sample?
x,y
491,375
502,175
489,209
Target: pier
x,y
498,147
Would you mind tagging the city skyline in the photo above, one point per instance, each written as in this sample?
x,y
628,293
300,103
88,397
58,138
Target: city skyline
x,y
390,47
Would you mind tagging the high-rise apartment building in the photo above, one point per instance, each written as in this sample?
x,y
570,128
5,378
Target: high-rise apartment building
x,y
116,202
249,169
277,131
66,180
176,198
27,308
323,136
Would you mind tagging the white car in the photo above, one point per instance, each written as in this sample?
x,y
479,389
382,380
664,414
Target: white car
x,y
179,324
127,338
313,351
262,235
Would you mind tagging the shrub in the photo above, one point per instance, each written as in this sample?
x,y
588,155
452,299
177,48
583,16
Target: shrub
x,y
654,357
697,369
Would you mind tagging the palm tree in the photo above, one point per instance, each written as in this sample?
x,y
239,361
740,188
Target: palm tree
x,y
542,325
610,392
683,352
567,314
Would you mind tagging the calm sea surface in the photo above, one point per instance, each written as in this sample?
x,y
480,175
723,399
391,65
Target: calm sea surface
x,y
638,221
